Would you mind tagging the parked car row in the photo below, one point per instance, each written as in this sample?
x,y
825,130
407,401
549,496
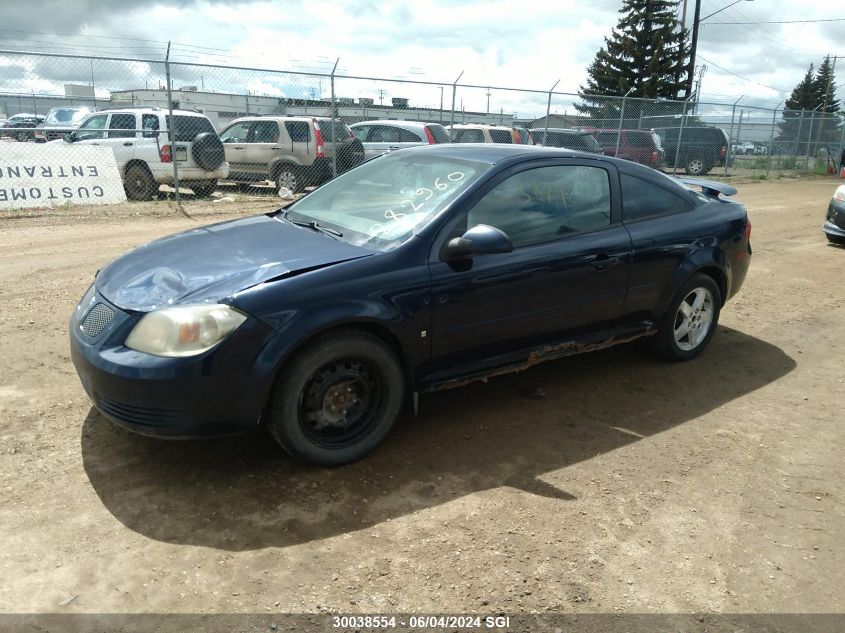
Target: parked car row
x,y
295,152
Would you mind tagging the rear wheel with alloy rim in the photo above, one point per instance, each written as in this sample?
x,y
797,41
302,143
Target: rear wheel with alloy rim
x,y
691,320
696,166
337,398
290,178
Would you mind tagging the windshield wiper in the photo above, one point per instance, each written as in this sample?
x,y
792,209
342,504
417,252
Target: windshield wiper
x,y
311,224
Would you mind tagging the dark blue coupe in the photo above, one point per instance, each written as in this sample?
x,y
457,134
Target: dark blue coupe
x,y
419,270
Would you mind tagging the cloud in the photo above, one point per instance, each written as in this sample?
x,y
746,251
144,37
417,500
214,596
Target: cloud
x,y
494,42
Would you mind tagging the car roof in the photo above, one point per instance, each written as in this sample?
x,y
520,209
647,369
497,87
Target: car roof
x,y
149,111
485,126
496,152
562,129
393,122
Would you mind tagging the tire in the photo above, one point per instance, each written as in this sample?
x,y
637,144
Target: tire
x,y
291,177
670,340
139,183
696,165
309,407
835,239
207,151
21,137
203,188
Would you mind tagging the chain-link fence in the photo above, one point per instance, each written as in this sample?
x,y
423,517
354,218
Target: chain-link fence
x,y
197,128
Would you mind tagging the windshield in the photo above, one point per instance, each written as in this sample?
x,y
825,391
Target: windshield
x,y
382,202
67,115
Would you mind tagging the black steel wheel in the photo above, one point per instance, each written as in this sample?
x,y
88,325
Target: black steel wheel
x,y
337,398
139,183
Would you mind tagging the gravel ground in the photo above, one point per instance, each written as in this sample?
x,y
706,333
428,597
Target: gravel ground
x,y
609,482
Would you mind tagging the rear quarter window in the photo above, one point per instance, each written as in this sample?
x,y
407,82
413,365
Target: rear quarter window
x,y
642,199
501,136
299,131
187,128
440,133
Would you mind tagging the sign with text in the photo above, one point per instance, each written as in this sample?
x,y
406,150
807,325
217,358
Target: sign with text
x,y
45,175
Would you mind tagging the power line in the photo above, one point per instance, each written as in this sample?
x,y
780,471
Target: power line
x,y
730,72
785,21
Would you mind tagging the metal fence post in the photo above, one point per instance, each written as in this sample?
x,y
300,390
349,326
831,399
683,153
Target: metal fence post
x,y
621,118
333,115
809,137
680,137
732,143
772,139
548,111
841,156
171,129
798,138
452,116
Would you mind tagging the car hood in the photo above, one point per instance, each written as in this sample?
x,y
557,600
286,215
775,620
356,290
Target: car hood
x,y
212,263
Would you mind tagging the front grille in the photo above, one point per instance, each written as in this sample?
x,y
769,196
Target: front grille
x,y
97,319
145,416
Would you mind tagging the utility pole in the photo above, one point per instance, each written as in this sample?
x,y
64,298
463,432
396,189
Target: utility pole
x,y
488,99
693,46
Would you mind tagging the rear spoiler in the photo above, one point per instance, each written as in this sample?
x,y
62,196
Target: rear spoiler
x,y
710,188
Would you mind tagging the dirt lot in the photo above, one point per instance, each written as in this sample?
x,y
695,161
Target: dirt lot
x,y
607,482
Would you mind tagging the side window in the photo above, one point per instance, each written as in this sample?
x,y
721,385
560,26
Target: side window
x,y
468,136
299,131
501,136
360,132
383,134
545,203
150,125
122,125
92,128
639,139
642,199
236,133
265,132
406,136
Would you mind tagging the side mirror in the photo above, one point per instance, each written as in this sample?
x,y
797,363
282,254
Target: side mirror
x,y
479,240
70,137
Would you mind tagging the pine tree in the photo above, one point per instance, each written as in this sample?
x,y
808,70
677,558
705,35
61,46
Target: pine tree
x,y
647,51
803,99
827,121
810,113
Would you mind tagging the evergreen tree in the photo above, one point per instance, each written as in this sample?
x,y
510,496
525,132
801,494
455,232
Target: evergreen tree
x,y
647,51
809,118
827,121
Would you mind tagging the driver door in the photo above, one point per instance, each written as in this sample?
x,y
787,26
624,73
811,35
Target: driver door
x,y
234,139
567,275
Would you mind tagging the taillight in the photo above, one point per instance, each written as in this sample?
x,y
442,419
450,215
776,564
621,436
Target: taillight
x,y
165,154
748,230
517,137
318,135
429,136
654,156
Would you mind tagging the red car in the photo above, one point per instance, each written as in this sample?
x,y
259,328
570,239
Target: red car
x,y
639,146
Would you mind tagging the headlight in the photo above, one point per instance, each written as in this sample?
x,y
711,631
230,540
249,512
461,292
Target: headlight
x,y
184,331
840,193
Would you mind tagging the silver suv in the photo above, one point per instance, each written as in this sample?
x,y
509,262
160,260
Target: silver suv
x,y
291,151
380,137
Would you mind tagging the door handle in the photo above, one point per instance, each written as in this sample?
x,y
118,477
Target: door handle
x,y
392,147
603,261
238,148
128,144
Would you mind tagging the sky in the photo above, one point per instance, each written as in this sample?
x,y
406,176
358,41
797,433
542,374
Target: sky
x,y
493,43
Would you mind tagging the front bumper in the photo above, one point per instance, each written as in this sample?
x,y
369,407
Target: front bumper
x,y
217,393
835,220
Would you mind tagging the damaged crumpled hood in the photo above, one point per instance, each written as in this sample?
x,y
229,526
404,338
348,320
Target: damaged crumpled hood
x,y
214,262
